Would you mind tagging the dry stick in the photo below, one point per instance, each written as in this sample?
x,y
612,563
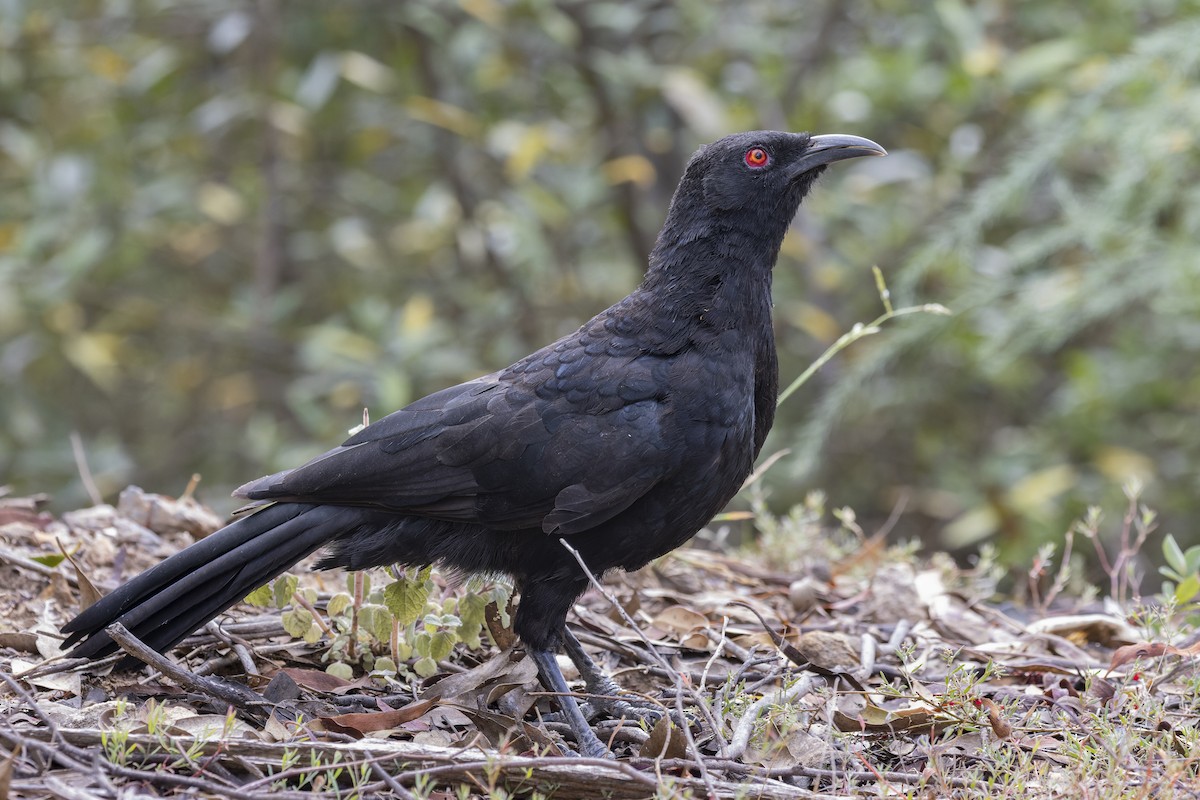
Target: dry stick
x,y
231,693
189,491
745,726
17,560
85,472
1064,570
816,772
675,676
56,664
19,690
391,782
59,789
372,761
721,642
54,753
245,658
893,518
1130,549
762,468
236,645
467,767
80,759
462,769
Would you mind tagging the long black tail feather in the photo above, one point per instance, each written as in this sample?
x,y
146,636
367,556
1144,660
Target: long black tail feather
x,y
174,598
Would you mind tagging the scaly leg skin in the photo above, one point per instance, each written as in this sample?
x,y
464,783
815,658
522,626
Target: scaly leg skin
x,y
605,690
590,745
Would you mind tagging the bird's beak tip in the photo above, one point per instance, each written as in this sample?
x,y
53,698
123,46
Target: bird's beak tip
x,y
831,147
855,145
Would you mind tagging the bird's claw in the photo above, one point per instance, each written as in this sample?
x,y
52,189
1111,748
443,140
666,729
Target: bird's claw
x,y
617,708
594,748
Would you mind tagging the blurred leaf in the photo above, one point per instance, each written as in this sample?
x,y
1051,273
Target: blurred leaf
x,y
443,115
1036,490
83,252
1119,464
690,96
354,242
1041,62
104,61
367,72
151,69
95,355
488,11
319,81
1187,589
631,169
230,31
532,143
220,203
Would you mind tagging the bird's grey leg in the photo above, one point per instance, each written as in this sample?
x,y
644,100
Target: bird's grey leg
x,y
552,678
605,690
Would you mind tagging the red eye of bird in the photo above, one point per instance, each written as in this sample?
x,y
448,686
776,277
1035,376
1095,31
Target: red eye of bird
x,y
756,158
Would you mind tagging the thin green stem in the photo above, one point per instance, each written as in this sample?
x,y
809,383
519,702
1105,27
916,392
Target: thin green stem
x,y
859,331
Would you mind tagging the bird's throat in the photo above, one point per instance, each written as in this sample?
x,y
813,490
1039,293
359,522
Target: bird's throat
x,y
721,279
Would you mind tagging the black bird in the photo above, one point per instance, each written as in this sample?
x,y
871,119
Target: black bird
x,y
623,438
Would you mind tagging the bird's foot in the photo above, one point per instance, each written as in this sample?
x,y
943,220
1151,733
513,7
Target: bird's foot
x,y
607,698
614,704
594,748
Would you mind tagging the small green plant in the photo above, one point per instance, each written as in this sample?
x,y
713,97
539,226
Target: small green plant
x,y
322,773
1182,571
164,751
115,741
401,623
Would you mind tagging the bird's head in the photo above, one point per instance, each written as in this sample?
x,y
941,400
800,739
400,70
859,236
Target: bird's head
x,y
745,189
768,169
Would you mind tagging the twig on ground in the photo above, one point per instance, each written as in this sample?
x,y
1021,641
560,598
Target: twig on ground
x,y
86,762
233,694
745,727
236,644
10,556
722,642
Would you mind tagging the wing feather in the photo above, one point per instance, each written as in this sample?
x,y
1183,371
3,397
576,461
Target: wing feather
x,y
546,446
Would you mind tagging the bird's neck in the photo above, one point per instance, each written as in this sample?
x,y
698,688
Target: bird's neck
x,y
720,277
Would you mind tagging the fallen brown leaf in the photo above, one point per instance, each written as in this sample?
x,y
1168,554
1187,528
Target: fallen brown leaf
x,y
1132,652
1000,726
873,719
667,740
359,725
320,681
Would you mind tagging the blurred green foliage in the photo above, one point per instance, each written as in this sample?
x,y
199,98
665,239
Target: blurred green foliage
x,y
225,227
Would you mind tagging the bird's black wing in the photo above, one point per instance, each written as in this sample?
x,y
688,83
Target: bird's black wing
x,y
563,441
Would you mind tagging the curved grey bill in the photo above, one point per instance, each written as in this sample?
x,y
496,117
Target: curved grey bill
x,y
830,147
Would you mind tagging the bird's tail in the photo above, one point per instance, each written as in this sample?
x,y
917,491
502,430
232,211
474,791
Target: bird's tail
x,y
170,600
